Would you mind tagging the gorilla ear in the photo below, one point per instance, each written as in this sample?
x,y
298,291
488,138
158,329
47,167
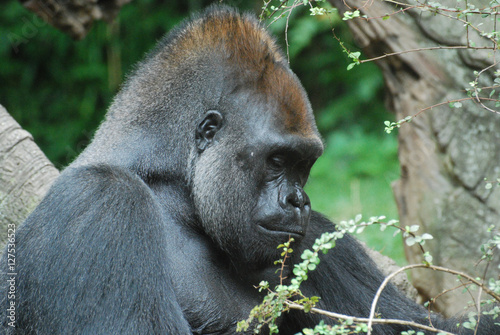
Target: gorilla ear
x,y
207,128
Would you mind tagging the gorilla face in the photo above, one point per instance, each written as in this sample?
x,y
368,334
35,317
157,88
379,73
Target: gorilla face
x,y
250,173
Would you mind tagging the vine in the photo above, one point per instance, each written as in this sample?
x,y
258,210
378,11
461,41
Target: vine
x,y
475,92
284,298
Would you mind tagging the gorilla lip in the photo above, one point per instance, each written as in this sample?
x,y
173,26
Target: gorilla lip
x,y
292,232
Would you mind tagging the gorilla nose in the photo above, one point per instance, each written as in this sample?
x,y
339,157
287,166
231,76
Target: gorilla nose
x,y
295,197
297,208
298,198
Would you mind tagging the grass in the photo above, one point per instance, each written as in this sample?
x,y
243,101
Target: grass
x,y
353,177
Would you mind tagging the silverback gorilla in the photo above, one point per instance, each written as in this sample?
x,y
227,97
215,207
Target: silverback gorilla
x,y
165,223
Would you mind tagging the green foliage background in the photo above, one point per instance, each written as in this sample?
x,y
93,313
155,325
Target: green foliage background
x,y
59,89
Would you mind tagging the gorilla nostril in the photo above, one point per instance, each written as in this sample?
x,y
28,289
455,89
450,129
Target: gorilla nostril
x,y
298,198
295,200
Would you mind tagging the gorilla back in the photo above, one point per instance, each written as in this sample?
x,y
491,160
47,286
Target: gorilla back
x,y
165,223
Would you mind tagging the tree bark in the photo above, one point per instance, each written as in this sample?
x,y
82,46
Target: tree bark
x,y
445,154
74,17
25,174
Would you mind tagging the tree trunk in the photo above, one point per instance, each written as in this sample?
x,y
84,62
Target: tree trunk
x,y
74,17
25,174
445,154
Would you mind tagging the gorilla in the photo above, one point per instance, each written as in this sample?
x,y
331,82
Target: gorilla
x,y
172,215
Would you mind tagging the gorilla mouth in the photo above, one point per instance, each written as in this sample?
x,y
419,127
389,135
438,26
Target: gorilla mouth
x,y
296,232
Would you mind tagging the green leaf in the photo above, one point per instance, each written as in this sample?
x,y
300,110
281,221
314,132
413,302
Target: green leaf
x,y
413,228
355,55
428,258
350,66
410,241
427,236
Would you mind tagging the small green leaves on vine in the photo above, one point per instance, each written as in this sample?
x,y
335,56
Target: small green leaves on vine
x,y
284,297
494,285
271,308
473,90
489,184
308,303
412,239
427,258
488,249
286,247
341,327
355,57
348,15
325,8
472,323
318,11
389,126
412,332
263,285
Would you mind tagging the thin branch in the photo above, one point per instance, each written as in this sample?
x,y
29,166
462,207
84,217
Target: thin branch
x,y
293,305
478,307
282,269
450,10
467,25
424,49
432,267
439,11
445,292
477,92
273,12
286,33
463,284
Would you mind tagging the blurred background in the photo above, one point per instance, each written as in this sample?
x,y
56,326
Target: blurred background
x,y
59,89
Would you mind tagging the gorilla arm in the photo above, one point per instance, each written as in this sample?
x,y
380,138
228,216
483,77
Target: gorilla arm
x,y
93,260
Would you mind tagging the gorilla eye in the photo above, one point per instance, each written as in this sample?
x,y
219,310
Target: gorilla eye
x,y
277,161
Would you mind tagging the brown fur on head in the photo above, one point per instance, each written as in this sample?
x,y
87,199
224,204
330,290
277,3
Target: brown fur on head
x,y
222,30
240,41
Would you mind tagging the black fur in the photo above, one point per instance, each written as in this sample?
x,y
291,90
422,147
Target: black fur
x,y
173,213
